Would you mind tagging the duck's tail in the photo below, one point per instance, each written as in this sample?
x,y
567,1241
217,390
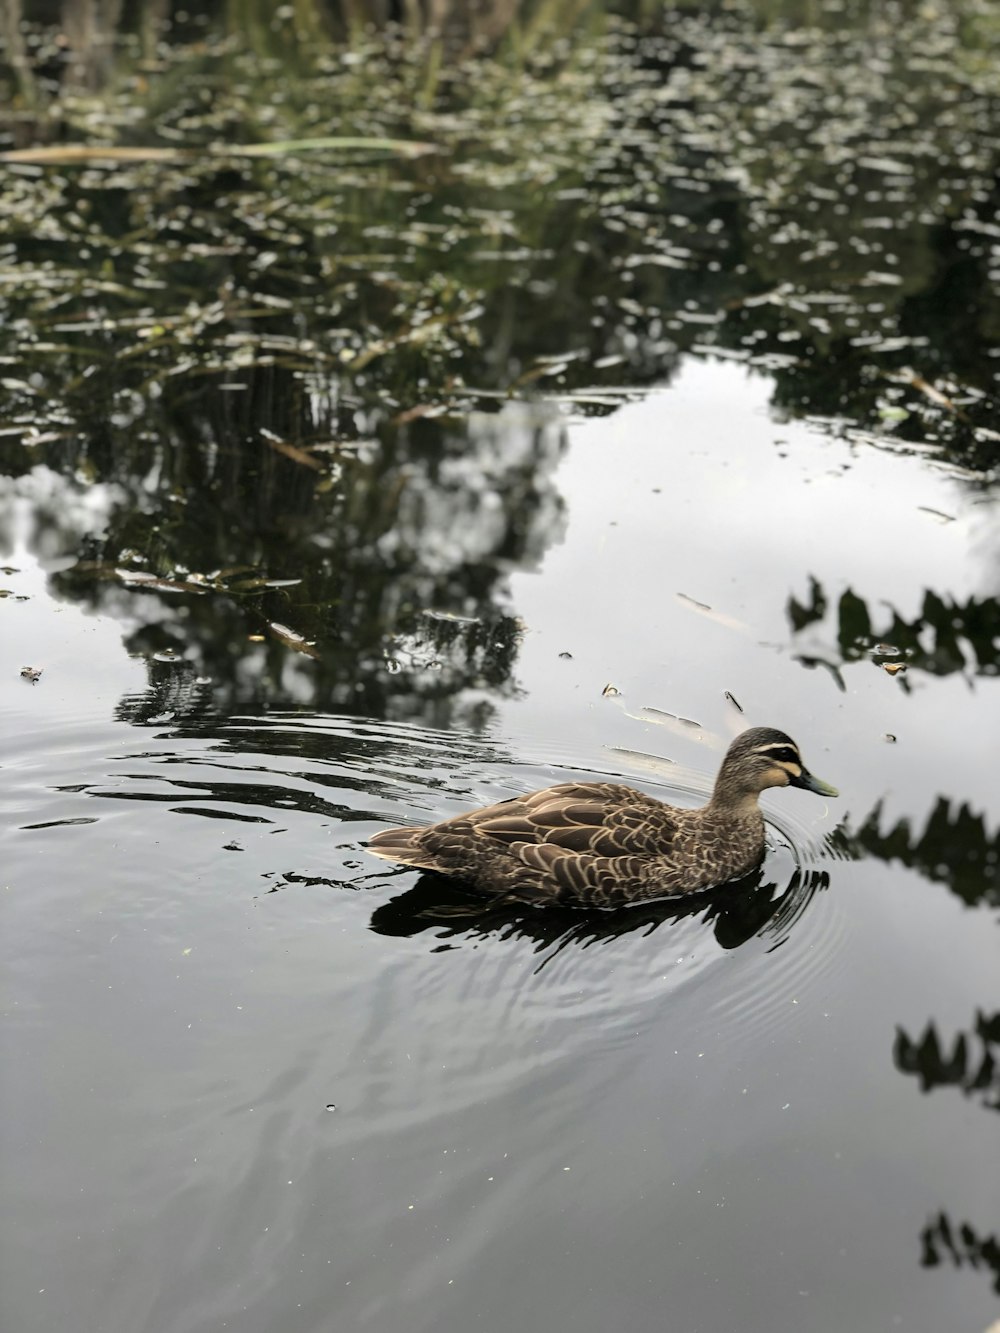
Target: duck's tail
x,y
403,845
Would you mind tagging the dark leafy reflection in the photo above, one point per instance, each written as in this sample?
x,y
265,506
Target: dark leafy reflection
x,y
954,848
942,1241
596,204
378,592
736,913
947,636
267,366
972,1064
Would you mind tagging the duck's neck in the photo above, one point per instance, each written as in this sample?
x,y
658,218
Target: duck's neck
x,y
733,801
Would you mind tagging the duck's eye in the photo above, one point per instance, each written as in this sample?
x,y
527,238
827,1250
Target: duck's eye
x,y
782,754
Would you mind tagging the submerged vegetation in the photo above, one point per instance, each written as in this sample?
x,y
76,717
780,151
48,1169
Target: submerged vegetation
x,y
270,280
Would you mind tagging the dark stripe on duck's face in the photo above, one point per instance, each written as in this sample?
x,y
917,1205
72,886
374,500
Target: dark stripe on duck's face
x,y
780,752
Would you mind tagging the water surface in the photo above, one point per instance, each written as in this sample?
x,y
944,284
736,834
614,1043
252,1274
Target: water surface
x,y
346,487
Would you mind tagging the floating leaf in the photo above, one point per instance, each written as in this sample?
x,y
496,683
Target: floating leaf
x,y
291,639
719,617
113,155
137,578
935,395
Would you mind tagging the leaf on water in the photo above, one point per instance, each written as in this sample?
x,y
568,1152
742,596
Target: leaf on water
x,y
680,726
540,372
363,358
292,451
610,691
734,701
659,766
652,763
888,166
291,639
936,396
420,410
673,717
893,668
450,616
112,155
68,155
139,579
337,143
719,617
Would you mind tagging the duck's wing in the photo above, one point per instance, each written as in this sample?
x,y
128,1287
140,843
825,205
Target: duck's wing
x,y
581,842
599,818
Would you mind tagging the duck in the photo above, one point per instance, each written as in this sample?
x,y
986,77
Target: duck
x,y
604,844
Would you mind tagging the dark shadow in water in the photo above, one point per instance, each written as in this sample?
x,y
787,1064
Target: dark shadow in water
x,y
972,1064
954,848
735,913
945,638
942,1242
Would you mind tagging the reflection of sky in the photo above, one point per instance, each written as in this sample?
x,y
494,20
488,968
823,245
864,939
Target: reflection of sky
x,y
698,490
50,513
695,490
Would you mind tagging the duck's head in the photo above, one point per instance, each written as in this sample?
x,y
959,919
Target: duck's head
x,y
761,758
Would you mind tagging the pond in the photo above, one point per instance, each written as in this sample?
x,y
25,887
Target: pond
x,y
362,484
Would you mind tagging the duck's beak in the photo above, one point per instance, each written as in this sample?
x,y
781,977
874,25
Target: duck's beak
x,y
810,783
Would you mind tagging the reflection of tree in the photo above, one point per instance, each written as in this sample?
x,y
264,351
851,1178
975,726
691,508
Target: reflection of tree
x,y
247,347
736,913
955,848
974,1071
943,1242
945,637
386,565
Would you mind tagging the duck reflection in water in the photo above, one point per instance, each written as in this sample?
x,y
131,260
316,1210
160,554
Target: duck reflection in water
x,y
736,913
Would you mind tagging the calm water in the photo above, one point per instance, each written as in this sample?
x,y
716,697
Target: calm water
x,y
761,1113
336,495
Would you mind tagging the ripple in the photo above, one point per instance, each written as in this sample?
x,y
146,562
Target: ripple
x,y
559,969
786,930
